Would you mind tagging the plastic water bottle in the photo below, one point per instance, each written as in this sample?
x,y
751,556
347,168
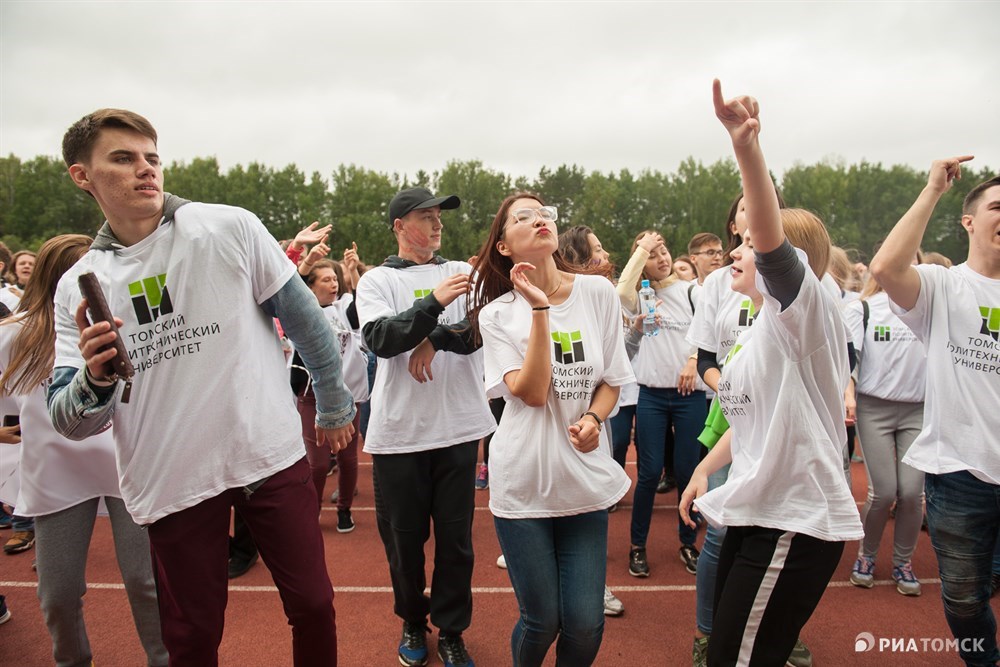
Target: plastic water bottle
x,y
647,306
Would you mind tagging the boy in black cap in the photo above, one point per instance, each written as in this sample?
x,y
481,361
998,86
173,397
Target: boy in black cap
x,y
429,411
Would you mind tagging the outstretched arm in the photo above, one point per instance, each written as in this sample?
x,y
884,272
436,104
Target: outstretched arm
x,y
892,266
740,117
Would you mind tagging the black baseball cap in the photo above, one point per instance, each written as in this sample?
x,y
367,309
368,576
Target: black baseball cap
x,y
412,199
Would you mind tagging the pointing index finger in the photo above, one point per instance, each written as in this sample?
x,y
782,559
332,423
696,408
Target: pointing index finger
x,y
720,102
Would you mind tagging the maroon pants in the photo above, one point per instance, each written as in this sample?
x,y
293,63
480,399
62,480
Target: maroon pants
x,y
190,554
319,456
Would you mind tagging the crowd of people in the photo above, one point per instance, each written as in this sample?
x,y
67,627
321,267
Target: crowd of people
x,y
738,369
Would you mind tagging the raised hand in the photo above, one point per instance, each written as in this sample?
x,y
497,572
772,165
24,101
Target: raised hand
x,y
533,295
351,260
318,252
650,241
312,234
740,115
451,288
944,172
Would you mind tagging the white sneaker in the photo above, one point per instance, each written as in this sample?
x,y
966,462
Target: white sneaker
x,y
502,562
612,605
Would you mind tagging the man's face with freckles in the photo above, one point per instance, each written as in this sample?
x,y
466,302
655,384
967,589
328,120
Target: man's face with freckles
x,y
420,229
124,174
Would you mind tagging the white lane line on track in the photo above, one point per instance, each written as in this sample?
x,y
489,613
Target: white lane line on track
x,y
475,589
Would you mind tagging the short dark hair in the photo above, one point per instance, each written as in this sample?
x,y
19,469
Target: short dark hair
x,y
976,193
701,240
78,142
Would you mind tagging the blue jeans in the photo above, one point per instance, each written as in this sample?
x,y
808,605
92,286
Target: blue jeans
x,y
21,524
557,567
621,432
963,518
708,562
658,411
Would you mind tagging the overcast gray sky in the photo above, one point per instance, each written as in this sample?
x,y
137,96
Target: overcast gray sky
x,y
400,86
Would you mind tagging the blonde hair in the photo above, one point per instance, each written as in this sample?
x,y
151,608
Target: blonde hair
x,y
807,232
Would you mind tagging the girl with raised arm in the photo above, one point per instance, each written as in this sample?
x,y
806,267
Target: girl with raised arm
x,y
786,505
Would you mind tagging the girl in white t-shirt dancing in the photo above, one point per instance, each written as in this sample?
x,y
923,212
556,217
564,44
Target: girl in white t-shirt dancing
x,y
554,350
892,373
787,505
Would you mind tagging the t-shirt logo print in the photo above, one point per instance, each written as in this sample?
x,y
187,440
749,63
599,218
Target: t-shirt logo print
x,y
991,322
421,293
747,312
150,298
882,334
568,346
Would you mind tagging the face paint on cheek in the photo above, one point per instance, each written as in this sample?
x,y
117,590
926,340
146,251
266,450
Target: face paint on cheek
x,y
416,238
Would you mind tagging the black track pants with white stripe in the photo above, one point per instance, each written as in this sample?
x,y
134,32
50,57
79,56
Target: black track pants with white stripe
x,y
768,585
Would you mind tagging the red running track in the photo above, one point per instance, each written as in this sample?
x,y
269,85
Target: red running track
x,y
656,628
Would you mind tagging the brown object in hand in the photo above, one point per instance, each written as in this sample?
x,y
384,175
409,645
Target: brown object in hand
x,y
99,312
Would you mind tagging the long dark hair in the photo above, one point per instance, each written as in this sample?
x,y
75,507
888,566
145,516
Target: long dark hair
x,y
574,246
33,352
492,270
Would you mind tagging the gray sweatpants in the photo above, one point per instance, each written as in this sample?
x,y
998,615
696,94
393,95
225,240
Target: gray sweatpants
x,y
62,542
886,430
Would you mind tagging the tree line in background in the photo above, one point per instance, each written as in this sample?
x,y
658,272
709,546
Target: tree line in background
x,y
859,203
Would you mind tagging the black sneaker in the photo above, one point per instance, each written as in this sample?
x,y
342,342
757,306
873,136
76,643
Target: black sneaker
x,y
451,650
239,566
413,645
345,523
689,556
666,484
637,564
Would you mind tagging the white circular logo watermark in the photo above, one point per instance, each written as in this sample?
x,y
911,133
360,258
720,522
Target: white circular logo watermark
x,y
865,641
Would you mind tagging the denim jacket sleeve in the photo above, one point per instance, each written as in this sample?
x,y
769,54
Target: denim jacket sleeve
x,y
79,410
301,318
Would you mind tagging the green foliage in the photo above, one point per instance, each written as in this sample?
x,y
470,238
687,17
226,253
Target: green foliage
x,y
859,202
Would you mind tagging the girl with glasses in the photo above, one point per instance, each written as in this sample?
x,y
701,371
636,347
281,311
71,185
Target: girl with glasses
x,y
553,348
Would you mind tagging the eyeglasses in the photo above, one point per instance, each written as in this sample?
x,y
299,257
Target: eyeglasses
x,y
710,253
528,216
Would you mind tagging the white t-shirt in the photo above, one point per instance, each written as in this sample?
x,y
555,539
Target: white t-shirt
x,y
56,473
10,458
10,296
721,315
957,316
662,357
408,416
783,394
891,360
534,469
352,348
210,408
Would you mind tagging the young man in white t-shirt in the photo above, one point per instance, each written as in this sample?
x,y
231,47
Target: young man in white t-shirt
x,y
207,422
429,411
705,250
956,313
